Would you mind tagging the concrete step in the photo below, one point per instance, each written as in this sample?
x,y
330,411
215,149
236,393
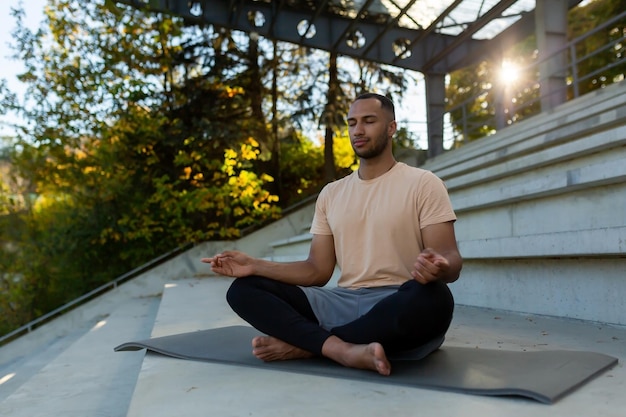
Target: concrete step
x,y
175,387
536,206
17,370
296,245
87,378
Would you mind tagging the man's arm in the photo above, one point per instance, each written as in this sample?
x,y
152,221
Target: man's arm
x,y
316,270
441,258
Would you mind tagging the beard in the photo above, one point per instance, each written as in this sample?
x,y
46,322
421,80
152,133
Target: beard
x,y
378,145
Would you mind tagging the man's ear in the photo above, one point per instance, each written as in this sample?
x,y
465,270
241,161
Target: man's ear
x,y
392,128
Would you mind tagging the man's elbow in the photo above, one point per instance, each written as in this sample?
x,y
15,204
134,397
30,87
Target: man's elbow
x,y
318,276
456,265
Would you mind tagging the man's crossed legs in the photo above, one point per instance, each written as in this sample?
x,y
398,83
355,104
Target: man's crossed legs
x,y
408,318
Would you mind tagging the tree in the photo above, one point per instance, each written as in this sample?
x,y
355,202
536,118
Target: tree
x,y
604,49
130,149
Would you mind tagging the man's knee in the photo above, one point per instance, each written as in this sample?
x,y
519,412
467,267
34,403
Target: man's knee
x,y
238,291
437,289
433,300
242,289
233,295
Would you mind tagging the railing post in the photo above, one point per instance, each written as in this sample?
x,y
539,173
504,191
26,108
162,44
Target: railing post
x,y
499,102
574,64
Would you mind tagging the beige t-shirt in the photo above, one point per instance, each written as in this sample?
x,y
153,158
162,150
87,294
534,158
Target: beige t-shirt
x,y
376,224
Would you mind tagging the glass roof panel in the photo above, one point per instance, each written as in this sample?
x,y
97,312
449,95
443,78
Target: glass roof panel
x,y
422,13
510,16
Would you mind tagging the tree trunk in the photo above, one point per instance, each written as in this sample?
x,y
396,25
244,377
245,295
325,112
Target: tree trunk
x,y
331,108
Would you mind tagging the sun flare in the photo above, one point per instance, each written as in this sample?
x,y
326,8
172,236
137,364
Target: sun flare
x,y
509,72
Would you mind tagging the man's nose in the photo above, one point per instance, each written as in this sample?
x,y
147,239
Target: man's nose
x,y
357,129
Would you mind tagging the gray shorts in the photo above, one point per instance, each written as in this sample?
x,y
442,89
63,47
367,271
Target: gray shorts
x,y
337,306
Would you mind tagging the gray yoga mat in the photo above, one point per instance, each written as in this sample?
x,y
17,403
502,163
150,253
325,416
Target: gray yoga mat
x,y
545,376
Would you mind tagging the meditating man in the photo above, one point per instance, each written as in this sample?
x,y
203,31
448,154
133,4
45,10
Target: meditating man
x,y
390,229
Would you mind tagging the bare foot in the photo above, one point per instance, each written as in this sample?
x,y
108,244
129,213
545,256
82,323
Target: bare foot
x,y
269,349
371,356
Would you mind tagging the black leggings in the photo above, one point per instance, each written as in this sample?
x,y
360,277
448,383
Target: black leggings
x,y
407,319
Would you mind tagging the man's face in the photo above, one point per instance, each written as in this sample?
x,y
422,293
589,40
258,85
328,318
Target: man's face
x,y
370,128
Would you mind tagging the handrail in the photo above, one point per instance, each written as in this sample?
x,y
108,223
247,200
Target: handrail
x,y
29,327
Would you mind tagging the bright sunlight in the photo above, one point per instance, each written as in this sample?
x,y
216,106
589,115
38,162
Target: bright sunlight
x,y
509,72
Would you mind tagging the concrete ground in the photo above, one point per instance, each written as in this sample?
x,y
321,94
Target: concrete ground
x,y
173,387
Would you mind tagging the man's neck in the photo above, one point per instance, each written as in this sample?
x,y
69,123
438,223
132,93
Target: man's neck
x,y
369,169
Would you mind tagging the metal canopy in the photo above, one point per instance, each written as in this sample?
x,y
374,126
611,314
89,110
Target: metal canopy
x,y
434,37
429,36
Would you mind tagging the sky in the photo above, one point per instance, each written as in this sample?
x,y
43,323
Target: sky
x,y
9,69
411,113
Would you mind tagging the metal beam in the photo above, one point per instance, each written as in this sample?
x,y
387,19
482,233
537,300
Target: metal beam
x,y
281,24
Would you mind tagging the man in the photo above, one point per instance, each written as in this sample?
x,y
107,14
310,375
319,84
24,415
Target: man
x,y
389,228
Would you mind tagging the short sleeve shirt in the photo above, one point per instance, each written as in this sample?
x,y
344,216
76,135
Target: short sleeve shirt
x,y
376,224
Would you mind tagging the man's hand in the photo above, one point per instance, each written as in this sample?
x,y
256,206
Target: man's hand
x,y
430,266
231,263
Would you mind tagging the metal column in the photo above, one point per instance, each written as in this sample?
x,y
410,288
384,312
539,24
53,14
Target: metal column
x,y
435,109
551,32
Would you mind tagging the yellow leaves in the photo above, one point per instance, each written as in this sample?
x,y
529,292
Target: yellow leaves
x,y
249,151
229,167
230,92
344,154
45,203
145,149
259,205
244,185
187,176
230,154
242,195
230,198
110,234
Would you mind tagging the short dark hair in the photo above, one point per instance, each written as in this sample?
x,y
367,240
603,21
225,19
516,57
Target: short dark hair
x,y
385,102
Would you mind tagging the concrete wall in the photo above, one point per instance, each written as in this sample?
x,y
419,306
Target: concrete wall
x,y
542,212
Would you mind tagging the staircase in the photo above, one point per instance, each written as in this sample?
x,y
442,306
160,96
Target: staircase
x,y
68,367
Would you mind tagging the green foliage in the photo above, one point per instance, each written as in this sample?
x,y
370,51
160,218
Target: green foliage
x,y
345,158
128,154
301,164
474,113
593,52
200,204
